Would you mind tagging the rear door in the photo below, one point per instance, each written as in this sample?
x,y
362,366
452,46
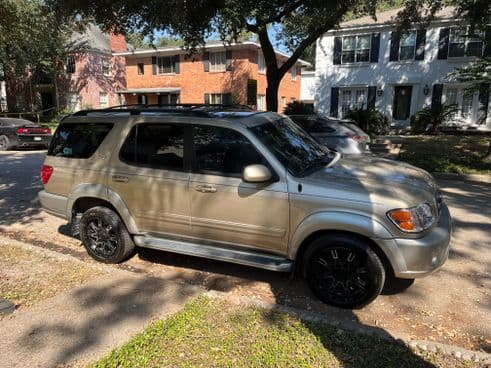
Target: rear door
x,y
149,174
224,208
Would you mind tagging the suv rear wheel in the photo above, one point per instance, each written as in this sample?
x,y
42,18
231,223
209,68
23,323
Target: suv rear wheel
x,y
343,271
105,236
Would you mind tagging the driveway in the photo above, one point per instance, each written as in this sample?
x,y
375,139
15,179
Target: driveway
x,y
451,306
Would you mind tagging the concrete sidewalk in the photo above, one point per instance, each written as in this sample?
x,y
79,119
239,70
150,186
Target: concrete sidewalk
x,y
87,322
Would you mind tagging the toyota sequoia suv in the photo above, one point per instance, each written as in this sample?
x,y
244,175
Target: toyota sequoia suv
x,y
236,185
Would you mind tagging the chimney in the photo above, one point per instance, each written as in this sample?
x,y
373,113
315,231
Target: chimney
x,y
118,43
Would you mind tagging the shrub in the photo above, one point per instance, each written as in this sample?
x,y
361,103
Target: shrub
x,y
371,121
431,118
298,108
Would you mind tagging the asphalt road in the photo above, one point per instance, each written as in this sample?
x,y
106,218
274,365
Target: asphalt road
x,y
451,306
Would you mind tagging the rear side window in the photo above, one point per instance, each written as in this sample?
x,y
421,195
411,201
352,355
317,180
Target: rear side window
x,y
155,145
315,125
222,151
78,140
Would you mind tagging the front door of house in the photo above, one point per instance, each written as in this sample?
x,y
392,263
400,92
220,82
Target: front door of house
x,y
402,102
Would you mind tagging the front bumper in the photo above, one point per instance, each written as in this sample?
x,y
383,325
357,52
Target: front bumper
x,y
412,258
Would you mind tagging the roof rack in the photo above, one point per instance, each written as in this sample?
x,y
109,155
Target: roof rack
x,y
188,108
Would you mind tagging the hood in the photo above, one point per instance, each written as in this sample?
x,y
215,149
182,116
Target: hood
x,y
376,177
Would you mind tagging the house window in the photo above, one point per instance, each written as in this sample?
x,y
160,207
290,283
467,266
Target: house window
x,y
141,68
283,102
293,72
142,99
261,102
218,61
218,98
407,46
356,49
73,101
166,64
103,100
106,67
467,102
352,98
261,63
461,44
70,65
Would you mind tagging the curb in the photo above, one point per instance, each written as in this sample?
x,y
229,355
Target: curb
x,y
481,178
422,345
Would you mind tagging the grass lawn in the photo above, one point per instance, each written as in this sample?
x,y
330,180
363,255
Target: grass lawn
x,y
213,333
447,153
27,276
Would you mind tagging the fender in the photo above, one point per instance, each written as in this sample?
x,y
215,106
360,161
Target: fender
x,y
100,191
336,220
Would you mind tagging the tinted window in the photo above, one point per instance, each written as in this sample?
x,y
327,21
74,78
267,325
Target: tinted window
x,y
294,148
315,125
78,140
155,145
223,151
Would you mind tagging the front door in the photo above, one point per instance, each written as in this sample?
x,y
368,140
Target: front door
x,y
150,177
402,102
224,208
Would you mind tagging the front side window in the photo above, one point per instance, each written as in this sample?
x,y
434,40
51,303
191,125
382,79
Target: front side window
x,y
166,64
159,146
223,151
78,140
297,151
461,44
407,46
218,61
356,49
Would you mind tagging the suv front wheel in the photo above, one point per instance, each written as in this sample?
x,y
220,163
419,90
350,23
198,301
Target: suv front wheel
x,y
105,236
343,271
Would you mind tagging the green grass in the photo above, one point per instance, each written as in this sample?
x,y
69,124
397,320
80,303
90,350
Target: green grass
x,y
447,153
211,333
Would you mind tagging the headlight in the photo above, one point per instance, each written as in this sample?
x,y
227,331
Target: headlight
x,y
414,219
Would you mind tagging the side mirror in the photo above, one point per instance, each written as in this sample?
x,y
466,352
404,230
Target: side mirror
x,y
256,174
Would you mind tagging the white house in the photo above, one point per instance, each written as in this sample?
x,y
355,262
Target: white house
x,y
365,63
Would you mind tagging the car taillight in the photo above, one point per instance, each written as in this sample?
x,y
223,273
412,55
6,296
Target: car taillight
x,y
46,172
357,138
46,130
22,131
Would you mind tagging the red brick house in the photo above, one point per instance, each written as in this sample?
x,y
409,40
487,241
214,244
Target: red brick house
x,y
220,74
90,78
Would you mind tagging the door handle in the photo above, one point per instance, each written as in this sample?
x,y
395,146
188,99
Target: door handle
x,y
120,178
205,188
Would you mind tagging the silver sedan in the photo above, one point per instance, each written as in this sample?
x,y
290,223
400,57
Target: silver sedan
x,y
340,135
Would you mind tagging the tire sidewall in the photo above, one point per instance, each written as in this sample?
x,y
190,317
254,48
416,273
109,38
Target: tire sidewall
x,y
373,263
7,141
112,219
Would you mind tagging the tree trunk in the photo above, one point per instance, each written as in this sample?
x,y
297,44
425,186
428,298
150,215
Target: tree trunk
x,y
272,95
487,157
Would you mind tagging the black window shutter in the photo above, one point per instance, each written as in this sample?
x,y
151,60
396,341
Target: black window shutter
x,y
154,65
483,101
436,97
176,64
371,97
420,44
206,61
336,56
487,40
394,46
229,59
227,99
207,98
374,50
334,101
443,43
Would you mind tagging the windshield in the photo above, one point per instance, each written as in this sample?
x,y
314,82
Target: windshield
x,y
292,146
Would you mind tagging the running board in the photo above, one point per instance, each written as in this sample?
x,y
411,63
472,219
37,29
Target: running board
x,y
243,257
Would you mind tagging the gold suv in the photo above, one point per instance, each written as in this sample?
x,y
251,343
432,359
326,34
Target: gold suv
x,y
231,184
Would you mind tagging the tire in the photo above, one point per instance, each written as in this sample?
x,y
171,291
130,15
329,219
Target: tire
x,y
4,143
343,270
104,235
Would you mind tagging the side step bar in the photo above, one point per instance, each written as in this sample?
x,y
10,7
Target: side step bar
x,y
243,257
